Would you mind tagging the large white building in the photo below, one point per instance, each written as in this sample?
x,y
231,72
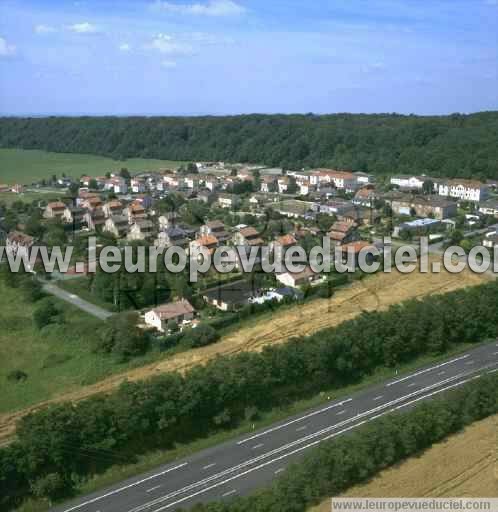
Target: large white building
x,y
342,180
410,182
465,190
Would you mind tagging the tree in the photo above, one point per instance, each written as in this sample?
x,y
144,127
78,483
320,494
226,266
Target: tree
x,y
200,336
428,187
45,313
32,289
93,185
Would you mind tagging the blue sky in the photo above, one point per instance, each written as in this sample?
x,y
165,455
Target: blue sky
x,y
242,56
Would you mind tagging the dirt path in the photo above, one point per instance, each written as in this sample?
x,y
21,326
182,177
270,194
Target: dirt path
x,y
465,465
374,293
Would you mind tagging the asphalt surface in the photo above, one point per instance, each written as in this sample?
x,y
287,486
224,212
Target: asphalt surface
x,y
244,464
76,301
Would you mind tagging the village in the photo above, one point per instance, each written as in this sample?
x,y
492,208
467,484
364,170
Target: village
x,y
209,205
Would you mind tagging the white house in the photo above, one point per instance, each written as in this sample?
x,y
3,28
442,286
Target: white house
x,y
465,190
489,207
178,312
295,279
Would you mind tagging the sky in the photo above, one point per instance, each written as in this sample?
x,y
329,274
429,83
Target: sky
x,y
196,57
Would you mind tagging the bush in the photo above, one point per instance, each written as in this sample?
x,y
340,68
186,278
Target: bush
x,y
46,313
17,376
200,336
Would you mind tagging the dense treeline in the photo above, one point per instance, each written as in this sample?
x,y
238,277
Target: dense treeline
x,y
58,446
343,462
455,145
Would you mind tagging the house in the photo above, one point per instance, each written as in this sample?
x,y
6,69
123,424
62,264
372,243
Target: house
x,y
117,225
335,206
211,183
94,219
178,312
363,178
228,200
416,227
424,206
111,208
268,184
283,183
117,185
358,215
208,242
489,207
192,181
490,240
295,279
74,215
366,197
354,249
232,296
342,180
247,236
167,220
217,229
172,236
408,182
18,243
137,185
465,190
282,243
207,196
54,210
140,230
91,202
342,233
135,212
295,209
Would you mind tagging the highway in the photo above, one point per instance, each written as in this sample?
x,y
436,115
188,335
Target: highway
x,y
244,464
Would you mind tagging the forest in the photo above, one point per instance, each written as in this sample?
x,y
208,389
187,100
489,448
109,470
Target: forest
x,y
447,146
58,447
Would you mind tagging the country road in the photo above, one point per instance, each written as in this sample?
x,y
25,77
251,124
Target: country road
x,y
244,464
76,301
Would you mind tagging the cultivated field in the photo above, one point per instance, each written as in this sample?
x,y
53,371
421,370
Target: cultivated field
x,y
374,293
25,166
465,465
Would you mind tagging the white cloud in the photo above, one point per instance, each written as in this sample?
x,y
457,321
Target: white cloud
x,y
6,49
124,47
83,28
166,45
210,8
44,29
168,64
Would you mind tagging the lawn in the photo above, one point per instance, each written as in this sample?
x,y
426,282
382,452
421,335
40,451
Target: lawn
x,y
56,359
27,165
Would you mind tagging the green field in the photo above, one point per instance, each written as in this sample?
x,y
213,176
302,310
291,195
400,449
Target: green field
x,y
57,358
26,165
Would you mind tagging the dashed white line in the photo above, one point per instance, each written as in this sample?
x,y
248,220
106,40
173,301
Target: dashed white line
x,y
209,465
441,373
427,370
125,487
304,427
469,362
378,398
413,384
279,471
229,493
153,488
278,427
341,412
260,445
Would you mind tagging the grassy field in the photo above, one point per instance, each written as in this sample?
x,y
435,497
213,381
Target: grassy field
x,y
57,358
25,166
28,197
464,465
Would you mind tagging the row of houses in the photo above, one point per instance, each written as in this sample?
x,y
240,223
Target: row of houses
x,y
462,189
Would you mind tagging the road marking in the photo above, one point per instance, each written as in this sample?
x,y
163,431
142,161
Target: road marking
x,y
278,427
378,398
134,484
209,465
297,450
426,370
301,441
441,373
260,445
469,362
341,412
412,384
304,427
279,471
229,493
493,371
153,488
